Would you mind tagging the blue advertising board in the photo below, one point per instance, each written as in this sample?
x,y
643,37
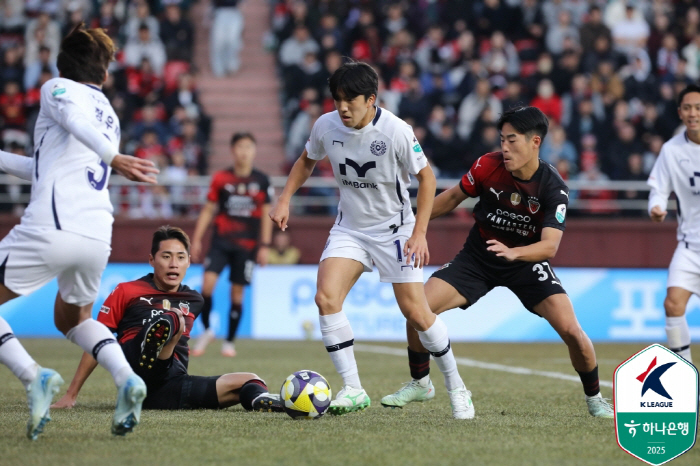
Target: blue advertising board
x,y
611,304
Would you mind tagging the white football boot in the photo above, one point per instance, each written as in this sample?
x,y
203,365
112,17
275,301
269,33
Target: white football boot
x,y
411,391
127,413
349,400
461,402
599,406
39,395
203,341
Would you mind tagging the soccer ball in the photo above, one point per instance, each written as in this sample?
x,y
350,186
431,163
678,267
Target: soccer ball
x,y
306,395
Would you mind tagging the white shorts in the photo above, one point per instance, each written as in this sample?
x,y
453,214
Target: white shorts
x,y
684,271
386,252
31,258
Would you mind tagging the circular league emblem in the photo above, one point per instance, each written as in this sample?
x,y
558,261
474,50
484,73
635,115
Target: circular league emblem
x,y
378,148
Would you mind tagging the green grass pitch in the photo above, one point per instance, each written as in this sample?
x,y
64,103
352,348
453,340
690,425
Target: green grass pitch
x,y
520,419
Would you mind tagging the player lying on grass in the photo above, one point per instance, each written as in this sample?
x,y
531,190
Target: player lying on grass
x,y
66,230
153,317
509,245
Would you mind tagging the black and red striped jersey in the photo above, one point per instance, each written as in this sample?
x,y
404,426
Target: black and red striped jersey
x,y
132,305
511,210
240,201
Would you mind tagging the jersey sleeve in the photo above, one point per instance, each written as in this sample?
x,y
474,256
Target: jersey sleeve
x,y
17,165
471,181
62,106
112,310
314,146
409,151
213,194
660,182
555,206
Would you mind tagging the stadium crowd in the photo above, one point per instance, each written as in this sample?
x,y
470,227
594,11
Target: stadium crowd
x,y
606,73
152,86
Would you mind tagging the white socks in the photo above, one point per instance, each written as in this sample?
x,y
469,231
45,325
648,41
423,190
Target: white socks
x,y
14,356
96,340
437,341
678,336
339,339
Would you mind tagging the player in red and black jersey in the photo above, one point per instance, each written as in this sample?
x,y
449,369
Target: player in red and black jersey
x,y
238,202
153,317
520,220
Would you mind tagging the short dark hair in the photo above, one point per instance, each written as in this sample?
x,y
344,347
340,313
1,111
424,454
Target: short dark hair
x,y
688,89
167,232
525,120
242,135
352,79
85,55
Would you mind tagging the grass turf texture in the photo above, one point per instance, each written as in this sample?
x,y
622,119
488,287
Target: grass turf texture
x,y
520,419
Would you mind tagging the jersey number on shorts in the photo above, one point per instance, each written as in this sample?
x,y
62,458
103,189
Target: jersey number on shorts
x,y
540,269
399,257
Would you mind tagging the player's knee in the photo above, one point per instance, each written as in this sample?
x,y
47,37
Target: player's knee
x,y
674,307
418,319
572,334
326,304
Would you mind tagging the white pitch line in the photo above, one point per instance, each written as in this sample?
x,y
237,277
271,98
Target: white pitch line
x,y
481,365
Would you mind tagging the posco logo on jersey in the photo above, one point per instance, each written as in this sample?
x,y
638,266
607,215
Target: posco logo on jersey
x,y
513,216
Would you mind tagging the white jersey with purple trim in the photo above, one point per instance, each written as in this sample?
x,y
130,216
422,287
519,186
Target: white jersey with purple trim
x,y
677,169
69,179
372,167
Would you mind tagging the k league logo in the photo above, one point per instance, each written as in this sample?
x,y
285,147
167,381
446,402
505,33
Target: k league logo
x,y
656,405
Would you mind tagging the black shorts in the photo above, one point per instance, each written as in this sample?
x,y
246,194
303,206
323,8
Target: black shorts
x,y
472,276
240,260
168,385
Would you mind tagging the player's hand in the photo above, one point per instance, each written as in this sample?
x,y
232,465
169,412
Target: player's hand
x,y
261,258
501,250
67,401
135,169
657,215
196,250
416,250
280,214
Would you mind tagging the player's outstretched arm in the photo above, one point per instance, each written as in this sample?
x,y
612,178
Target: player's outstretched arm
x,y
205,217
447,201
416,248
301,171
545,249
16,165
85,368
135,169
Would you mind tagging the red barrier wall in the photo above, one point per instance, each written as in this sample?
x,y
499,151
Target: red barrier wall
x,y
586,243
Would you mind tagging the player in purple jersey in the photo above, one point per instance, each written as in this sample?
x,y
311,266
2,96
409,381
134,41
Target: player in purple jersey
x,y
520,219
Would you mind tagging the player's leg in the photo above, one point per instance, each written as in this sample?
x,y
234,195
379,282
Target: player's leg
x,y
559,312
214,263
677,330
434,337
441,296
241,272
78,285
247,389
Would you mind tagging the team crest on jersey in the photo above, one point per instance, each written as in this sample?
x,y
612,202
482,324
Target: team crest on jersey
x,y
515,199
240,189
533,205
185,307
253,188
470,177
378,148
166,304
104,310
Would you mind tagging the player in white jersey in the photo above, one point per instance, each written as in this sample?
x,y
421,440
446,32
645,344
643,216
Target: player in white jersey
x,y
677,169
66,230
372,153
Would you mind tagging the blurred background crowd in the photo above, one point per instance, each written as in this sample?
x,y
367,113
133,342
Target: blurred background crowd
x,y
606,73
